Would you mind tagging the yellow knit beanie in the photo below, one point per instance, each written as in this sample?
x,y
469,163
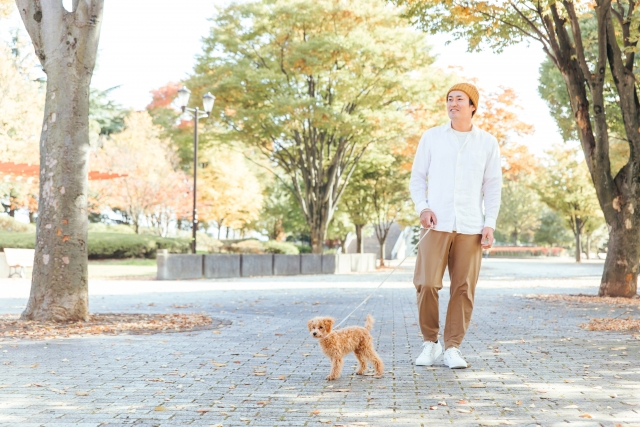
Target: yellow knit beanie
x,y
469,89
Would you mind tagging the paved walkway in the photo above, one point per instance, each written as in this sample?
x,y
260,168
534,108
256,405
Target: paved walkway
x,y
530,362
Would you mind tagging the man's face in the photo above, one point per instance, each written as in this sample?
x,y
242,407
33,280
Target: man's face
x,y
458,105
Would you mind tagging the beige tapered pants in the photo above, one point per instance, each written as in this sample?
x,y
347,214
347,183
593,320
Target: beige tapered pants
x,y
462,253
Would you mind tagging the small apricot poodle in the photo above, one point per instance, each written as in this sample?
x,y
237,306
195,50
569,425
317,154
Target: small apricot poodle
x,y
337,344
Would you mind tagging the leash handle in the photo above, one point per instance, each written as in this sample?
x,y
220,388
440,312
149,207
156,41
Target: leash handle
x,y
382,283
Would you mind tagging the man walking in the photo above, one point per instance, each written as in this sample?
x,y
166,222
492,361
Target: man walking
x,y
456,169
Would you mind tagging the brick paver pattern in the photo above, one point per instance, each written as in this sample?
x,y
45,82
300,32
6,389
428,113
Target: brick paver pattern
x,y
530,363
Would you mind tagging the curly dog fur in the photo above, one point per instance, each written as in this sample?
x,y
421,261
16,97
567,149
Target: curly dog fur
x,y
337,344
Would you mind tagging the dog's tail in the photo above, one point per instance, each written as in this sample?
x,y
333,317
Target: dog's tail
x,y
368,322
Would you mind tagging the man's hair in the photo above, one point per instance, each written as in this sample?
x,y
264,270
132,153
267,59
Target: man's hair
x,y
473,113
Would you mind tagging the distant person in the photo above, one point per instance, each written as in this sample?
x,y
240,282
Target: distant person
x,y
456,169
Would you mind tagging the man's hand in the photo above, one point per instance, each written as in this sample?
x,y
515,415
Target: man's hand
x,y
487,238
428,219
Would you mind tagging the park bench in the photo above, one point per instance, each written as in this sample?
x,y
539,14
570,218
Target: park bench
x,y
19,260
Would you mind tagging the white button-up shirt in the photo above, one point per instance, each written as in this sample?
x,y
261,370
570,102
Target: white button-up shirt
x,y
454,182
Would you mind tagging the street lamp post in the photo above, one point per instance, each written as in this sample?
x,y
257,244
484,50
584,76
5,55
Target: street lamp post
x,y
207,103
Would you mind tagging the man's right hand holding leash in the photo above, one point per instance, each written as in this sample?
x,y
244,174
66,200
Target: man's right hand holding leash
x,y
428,218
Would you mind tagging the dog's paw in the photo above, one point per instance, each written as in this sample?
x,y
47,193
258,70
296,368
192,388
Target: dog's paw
x,y
360,373
331,378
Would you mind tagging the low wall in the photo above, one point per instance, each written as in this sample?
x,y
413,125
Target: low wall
x,y
311,264
286,265
256,265
336,263
179,266
220,266
4,267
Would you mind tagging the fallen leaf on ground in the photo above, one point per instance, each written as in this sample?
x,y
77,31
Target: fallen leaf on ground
x,y
462,402
585,416
316,412
443,403
433,408
160,408
259,355
478,385
82,393
571,407
203,411
342,390
107,324
220,365
55,390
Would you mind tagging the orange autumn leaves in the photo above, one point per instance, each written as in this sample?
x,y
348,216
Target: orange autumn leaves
x,y
155,191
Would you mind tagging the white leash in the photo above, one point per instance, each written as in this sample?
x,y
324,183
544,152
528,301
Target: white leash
x,y
382,283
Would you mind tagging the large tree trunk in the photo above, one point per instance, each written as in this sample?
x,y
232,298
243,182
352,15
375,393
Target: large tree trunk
x,y
66,44
317,240
620,276
359,239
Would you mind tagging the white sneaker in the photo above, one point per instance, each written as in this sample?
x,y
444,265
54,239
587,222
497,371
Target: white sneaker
x,y
430,353
453,359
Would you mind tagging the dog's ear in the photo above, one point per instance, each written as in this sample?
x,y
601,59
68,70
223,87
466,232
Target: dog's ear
x,y
310,324
328,324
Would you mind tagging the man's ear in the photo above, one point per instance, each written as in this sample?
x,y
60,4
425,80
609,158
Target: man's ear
x,y
328,324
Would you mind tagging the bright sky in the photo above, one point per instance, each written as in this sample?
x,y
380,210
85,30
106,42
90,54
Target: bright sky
x,y
145,44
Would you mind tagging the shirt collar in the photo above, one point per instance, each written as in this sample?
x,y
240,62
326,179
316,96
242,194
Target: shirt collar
x,y
474,128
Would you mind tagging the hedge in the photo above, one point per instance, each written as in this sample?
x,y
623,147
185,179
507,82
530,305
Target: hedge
x,y
109,245
524,251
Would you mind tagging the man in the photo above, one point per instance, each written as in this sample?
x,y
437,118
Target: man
x,y
459,165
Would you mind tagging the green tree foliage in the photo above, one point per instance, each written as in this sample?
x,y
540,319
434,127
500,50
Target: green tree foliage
x,y
519,210
553,90
565,187
281,214
312,84
107,114
553,230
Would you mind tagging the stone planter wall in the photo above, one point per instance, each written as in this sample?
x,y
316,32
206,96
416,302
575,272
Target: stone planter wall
x,y
220,266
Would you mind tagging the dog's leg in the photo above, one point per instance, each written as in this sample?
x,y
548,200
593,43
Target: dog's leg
x,y
336,368
373,357
362,361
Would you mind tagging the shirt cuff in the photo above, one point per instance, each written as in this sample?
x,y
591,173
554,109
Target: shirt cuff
x,y
490,222
422,206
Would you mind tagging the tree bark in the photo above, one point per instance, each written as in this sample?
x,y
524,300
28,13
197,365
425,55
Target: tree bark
x,y
620,276
383,243
66,44
359,239
587,251
578,248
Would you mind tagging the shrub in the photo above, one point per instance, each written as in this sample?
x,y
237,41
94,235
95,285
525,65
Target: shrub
x,y
275,247
108,245
8,223
304,249
17,240
246,247
100,227
207,243
524,251
115,245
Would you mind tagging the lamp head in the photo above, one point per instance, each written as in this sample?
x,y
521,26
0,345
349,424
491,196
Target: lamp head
x,y
207,102
183,97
